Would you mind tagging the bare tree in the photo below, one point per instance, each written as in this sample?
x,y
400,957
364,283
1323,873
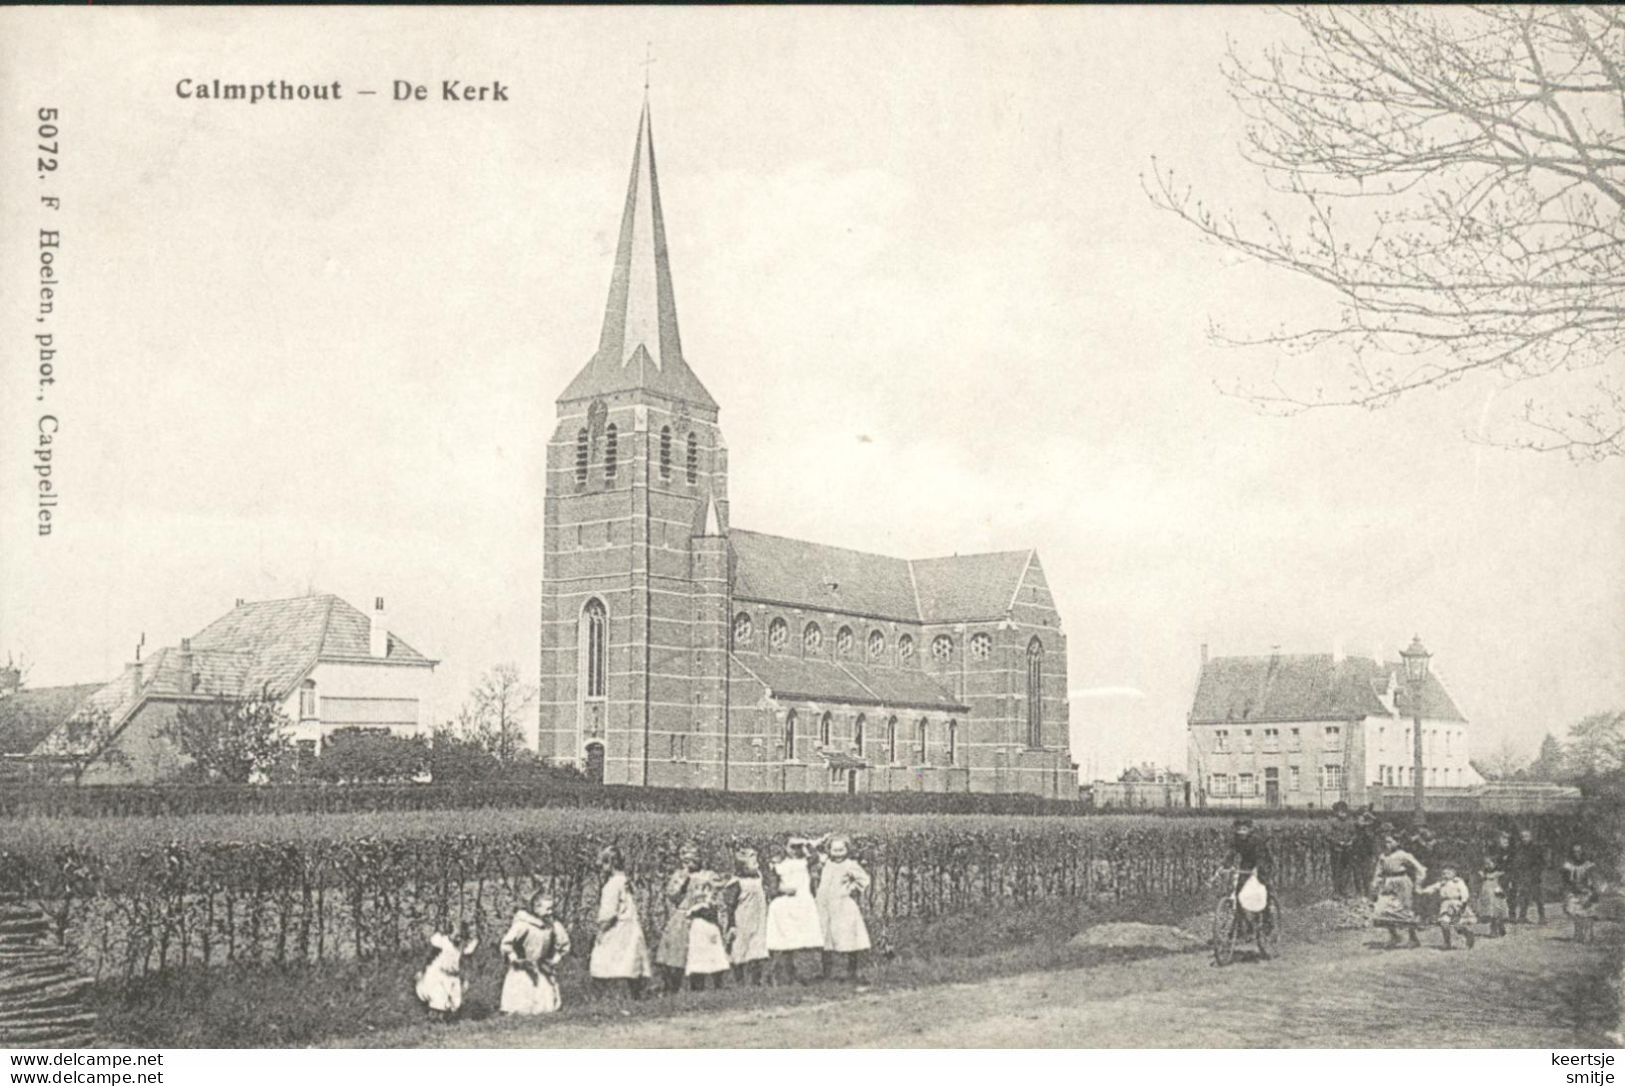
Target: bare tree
x,y
493,715
82,740
1503,763
236,740
1460,176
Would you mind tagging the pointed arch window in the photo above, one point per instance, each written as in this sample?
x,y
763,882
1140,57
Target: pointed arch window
x,y
812,638
611,450
1035,693
857,733
922,741
843,641
953,742
665,452
693,458
891,740
595,648
583,448
778,635
790,736
905,647
742,629
877,643
826,730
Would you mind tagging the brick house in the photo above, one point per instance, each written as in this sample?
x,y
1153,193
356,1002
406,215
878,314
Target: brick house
x,y
1309,730
678,650
329,665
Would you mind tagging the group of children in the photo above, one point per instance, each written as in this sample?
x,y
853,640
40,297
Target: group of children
x,y
719,924
1400,885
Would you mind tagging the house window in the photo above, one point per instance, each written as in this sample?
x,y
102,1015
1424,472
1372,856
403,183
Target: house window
x,y
981,647
953,742
1246,740
1331,778
812,638
905,647
742,630
825,730
1035,693
843,641
877,643
1219,784
1295,740
611,450
1272,740
665,452
942,647
924,735
595,634
1245,785
778,635
891,740
693,460
1221,741
1334,736
790,736
1292,778
307,700
857,733
582,449
1447,743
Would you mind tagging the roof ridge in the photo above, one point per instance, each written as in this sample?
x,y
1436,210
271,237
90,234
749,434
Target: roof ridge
x,y
815,543
975,554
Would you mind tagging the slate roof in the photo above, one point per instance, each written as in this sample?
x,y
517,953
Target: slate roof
x,y
794,572
28,716
794,678
639,347
1234,689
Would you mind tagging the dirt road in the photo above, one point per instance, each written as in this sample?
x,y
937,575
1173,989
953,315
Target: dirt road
x,y
1533,989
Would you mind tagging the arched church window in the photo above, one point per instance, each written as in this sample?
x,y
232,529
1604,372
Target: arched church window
x,y
825,729
742,630
942,647
1035,693
665,452
582,450
905,647
812,638
891,740
790,736
843,641
953,742
857,733
778,635
922,744
981,647
693,458
611,450
595,635
877,643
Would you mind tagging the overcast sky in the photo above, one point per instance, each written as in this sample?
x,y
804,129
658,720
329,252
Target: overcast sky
x,y
317,347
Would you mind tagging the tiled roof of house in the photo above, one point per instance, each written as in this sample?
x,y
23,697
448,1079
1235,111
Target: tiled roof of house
x,y
774,569
967,587
795,678
28,716
1233,689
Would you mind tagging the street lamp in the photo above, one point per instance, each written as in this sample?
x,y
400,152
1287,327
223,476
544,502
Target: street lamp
x,y
1416,673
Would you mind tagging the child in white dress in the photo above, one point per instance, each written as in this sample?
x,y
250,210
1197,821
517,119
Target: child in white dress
x,y
533,947
792,915
1455,905
619,952
841,881
747,906
441,984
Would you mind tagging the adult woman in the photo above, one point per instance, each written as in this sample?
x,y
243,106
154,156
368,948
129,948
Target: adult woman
x,y
1393,889
533,947
619,953
1580,892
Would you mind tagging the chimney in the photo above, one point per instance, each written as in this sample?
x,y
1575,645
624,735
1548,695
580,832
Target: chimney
x,y
1204,654
133,671
239,602
378,631
186,681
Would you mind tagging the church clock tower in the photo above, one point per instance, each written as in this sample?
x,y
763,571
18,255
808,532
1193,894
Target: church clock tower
x,y
635,565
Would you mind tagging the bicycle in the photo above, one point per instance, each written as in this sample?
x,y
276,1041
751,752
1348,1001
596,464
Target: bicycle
x,y
1233,924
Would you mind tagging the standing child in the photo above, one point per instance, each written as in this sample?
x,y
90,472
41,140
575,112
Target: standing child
x,y
1492,895
619,953
671,955
1580,892
792,915
441,984
1455,911
747,901
840,882
533,947
707,958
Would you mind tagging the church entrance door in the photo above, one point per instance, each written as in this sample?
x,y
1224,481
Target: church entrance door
x,y
595,763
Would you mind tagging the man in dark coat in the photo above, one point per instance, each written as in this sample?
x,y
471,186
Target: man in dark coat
x,y
1528,872
1342,840
1424,846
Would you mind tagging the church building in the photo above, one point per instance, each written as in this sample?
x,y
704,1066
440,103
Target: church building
x,y
680,651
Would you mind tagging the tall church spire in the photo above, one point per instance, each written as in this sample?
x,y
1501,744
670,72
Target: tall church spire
x,y
639,346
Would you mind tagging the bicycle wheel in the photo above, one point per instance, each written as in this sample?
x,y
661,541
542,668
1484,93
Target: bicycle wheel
x,y
1269,931
1224,932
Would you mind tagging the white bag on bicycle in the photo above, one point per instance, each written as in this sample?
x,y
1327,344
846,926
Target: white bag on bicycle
x,y
1252,896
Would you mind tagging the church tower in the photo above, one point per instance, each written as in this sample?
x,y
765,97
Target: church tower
x,y
635,568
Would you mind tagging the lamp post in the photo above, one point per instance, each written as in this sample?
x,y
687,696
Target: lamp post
x,y
1416,672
